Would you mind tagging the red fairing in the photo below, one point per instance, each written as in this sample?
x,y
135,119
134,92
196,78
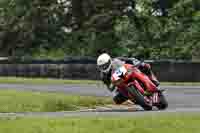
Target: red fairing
x,y
138,86
131,73
144,79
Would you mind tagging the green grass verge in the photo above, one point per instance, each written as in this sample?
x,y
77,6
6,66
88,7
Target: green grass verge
x,y
149,124
25,101
20,80
181,83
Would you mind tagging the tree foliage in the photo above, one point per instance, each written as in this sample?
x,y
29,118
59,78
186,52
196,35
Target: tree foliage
x,y
174,36
149,29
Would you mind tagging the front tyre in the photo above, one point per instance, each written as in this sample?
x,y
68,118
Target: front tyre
x,y
163,104
139,98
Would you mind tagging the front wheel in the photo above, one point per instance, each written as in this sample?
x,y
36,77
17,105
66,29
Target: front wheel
x,y
139,98
163,104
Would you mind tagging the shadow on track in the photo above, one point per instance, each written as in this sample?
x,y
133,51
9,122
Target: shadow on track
x,y
134,109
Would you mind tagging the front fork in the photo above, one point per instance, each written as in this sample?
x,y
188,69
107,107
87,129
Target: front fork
x,y
151,98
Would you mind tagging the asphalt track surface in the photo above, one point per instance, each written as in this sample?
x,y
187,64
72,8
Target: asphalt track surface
x,y
182,99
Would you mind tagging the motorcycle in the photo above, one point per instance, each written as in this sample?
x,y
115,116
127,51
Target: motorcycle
x,y
135,85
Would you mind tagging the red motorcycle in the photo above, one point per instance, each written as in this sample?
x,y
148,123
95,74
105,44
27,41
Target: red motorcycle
x,y
138,88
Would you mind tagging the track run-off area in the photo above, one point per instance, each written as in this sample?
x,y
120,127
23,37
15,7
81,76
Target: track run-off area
x,y
181,99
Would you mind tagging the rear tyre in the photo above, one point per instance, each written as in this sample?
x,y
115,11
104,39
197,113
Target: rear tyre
x,y
163,104
139,98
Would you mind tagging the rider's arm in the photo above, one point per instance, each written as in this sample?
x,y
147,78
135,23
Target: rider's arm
x,y
144,67
107,81
132,61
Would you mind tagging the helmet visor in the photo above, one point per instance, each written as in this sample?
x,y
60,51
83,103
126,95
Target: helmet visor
x,y
105,66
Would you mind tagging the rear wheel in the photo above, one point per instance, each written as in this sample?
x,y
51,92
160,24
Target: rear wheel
x,y
139,98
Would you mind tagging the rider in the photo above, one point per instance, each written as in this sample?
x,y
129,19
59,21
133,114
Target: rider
x,y
106,64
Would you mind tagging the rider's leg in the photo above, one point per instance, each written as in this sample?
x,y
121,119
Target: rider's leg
x,y
146,68
150,86
153,78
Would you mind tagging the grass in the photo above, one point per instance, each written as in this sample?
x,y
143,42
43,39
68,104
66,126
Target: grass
x,y
25,101
20,80
174,123
181,83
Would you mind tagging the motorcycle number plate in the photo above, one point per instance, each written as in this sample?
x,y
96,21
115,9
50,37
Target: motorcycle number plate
x,y
119,72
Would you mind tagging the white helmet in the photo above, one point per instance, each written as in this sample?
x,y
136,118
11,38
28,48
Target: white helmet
x,y
104,62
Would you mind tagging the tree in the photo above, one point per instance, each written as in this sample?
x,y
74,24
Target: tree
x,y
28,25
158,37
149,29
